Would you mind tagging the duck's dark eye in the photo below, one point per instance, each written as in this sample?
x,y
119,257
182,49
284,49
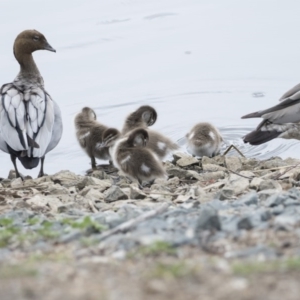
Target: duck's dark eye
x,y
36,38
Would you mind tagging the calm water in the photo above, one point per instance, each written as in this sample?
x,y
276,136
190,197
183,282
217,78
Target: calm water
x,y
192,60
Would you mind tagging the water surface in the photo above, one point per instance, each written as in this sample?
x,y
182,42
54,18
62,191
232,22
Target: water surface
x,y
193,60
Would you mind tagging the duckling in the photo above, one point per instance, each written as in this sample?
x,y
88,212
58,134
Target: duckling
x,y
132,157
145,116
204,139
89,135
142,118
30,120
279,121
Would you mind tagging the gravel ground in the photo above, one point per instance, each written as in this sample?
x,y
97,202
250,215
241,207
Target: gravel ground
x,y
226,219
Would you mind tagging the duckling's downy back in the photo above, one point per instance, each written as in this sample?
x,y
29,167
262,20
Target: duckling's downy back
x,y
204,139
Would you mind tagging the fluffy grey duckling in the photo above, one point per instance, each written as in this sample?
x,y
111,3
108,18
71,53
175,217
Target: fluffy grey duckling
x,y
279,121
130,155
204,139
89,135
30,121
144,117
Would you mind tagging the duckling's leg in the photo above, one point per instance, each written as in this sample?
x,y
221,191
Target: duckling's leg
x,y
41,173
93,163
140,184
13,159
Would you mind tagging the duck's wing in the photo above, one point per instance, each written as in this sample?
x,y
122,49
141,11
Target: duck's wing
x,y
26,119
57,128
293,93
288,111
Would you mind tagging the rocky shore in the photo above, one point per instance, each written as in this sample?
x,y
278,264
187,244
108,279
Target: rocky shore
x,y
227,208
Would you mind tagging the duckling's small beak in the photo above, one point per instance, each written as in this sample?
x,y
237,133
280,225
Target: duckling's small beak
x,y
49,47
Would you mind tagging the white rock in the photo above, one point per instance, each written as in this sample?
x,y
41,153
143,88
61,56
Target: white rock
x,y
94,194
54,203
17,182
38,200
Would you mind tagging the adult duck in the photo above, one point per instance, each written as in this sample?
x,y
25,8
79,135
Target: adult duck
x,y
279,121
30,121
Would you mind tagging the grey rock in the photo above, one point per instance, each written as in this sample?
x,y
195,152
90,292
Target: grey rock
x,y
275,200
255,183
245,223
5,254
136,193
274,162
265,194
235,186
286,222
70,237
38,201
269,185
291,202
6,182
94,195
265,215
16,183
213,175
185,160
88,180
18,216
233,163
208,219
227,192
218,205
66,178
114,193
57,189
230,223
277,210
294,193
12,174
65,208
100,174
54,203
217,160
177,172
212,168
259,250
249,199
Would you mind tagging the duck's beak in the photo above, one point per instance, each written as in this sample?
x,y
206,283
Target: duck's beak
x,y
49,47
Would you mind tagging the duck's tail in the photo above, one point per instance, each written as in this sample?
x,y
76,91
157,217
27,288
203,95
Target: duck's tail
x,y
29,162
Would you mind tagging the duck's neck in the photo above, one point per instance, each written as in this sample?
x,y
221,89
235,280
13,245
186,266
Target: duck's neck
x,y
28,65
29,72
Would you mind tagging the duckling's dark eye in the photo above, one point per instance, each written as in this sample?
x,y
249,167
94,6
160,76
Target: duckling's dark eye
x,y
36,38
